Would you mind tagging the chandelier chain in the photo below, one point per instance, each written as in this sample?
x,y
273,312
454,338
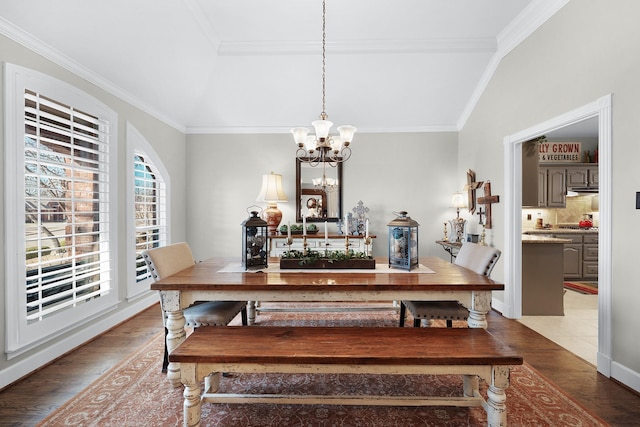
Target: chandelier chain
x,y
323,115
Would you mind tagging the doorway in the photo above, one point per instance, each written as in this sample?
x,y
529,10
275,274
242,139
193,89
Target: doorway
x,y
512,304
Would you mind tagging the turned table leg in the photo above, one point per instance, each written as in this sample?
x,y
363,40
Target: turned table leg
x,y
497,397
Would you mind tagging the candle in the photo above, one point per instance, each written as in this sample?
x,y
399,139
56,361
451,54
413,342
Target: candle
x,y
289,229
326,234
304,225
346,225
366,228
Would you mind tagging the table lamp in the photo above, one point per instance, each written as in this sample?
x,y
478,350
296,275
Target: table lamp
x,y
457,224
272,193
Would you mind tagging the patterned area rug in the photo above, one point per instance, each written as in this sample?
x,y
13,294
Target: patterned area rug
x,y
589,288
136,393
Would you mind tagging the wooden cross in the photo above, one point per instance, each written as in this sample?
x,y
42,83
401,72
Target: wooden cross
x,y
487,201
471,188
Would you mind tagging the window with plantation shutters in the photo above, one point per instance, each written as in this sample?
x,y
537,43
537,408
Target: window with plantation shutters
x,y
150,211
62,233
147,195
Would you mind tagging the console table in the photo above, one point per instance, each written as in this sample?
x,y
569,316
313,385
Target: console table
x,y
451,247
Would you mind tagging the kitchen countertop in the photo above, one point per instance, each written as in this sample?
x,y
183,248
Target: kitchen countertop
x,y
561,231
526,238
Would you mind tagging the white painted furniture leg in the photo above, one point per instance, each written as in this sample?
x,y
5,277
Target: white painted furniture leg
x,y
192,396
175,335
496,406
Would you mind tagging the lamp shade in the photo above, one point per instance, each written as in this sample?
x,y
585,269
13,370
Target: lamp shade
x,y
458,201
272,190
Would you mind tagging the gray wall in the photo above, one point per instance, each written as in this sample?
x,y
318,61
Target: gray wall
x,y
406,171
587,50
170,146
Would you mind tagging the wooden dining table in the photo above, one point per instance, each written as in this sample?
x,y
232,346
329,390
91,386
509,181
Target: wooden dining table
x,y
217,279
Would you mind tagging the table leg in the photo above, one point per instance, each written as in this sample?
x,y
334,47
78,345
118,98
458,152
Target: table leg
x,y
480,306
251,312
170,301
175,336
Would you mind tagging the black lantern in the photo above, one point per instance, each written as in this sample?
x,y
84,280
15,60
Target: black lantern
x,y
254,242
403,242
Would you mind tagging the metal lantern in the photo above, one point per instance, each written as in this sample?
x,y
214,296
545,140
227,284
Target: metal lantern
x,y
403,242
254,242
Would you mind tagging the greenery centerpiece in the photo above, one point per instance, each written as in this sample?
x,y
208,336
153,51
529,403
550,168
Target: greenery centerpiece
x,y
295,259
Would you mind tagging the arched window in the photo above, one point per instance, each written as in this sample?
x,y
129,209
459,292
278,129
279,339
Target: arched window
x,y
61,217
147,208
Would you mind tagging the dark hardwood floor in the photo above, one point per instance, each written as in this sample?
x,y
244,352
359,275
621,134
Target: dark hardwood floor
x,y
31,399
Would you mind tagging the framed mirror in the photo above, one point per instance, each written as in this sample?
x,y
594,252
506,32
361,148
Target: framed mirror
x,y
318,192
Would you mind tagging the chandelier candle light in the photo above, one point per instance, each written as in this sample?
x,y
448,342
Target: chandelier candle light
x,y
323,147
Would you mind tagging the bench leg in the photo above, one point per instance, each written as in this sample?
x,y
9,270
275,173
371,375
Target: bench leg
x,y
192,395
496,397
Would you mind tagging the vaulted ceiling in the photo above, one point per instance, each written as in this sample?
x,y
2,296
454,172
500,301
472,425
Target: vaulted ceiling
x,y
256,65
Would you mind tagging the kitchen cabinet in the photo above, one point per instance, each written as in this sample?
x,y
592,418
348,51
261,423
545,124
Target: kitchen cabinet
x,y
590,257
552,187
583,176
542,280
580,255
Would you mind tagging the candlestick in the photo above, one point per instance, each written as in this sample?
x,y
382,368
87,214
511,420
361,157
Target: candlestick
x,y
304,225
326,234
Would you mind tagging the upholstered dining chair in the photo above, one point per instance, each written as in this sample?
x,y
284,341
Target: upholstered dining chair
x,y
478,258
167,260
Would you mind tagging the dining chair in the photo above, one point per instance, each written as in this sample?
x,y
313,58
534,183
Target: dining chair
x,y
478,258
167,260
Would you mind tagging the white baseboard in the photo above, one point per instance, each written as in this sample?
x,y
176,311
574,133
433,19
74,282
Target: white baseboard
x,y
59,347
626,376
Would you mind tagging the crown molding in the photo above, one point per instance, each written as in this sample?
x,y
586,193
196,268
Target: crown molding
x,y
525,24
248,130
41,48
355,47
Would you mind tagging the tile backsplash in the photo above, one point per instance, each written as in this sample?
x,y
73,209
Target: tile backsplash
x,y
572,214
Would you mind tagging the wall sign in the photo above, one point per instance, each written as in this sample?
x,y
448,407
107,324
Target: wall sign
x,y
550,152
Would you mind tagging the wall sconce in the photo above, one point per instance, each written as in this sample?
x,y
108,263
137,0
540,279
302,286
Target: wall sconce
x,y
457,224
272,193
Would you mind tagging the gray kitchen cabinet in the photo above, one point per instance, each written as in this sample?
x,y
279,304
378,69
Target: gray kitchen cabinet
x,y
556,187
583,175
580,256
590,257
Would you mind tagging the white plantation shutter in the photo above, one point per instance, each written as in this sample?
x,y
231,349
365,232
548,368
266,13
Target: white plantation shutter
x,y
66,169
150,211
60,222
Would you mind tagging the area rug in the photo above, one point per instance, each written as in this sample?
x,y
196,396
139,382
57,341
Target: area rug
x,y
136,393
588,288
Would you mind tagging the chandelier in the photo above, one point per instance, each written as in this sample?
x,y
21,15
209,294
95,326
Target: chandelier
x,y
323,147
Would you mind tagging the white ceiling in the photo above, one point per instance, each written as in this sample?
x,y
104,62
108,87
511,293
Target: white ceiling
x,y
255,66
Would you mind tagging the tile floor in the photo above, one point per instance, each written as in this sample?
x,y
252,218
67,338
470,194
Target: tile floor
x,y
577,330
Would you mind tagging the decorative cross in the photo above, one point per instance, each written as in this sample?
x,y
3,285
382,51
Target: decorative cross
x,y
480,214
471,188
487,201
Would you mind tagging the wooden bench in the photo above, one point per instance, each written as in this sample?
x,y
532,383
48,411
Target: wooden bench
x,y
473,353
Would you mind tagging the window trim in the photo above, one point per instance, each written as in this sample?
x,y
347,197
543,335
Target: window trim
x,y
137,144
21,337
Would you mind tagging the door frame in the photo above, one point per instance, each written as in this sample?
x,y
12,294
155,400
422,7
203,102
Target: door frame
x,y
512,308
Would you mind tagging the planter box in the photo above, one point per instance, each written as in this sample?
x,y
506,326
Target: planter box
x,y
294,263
